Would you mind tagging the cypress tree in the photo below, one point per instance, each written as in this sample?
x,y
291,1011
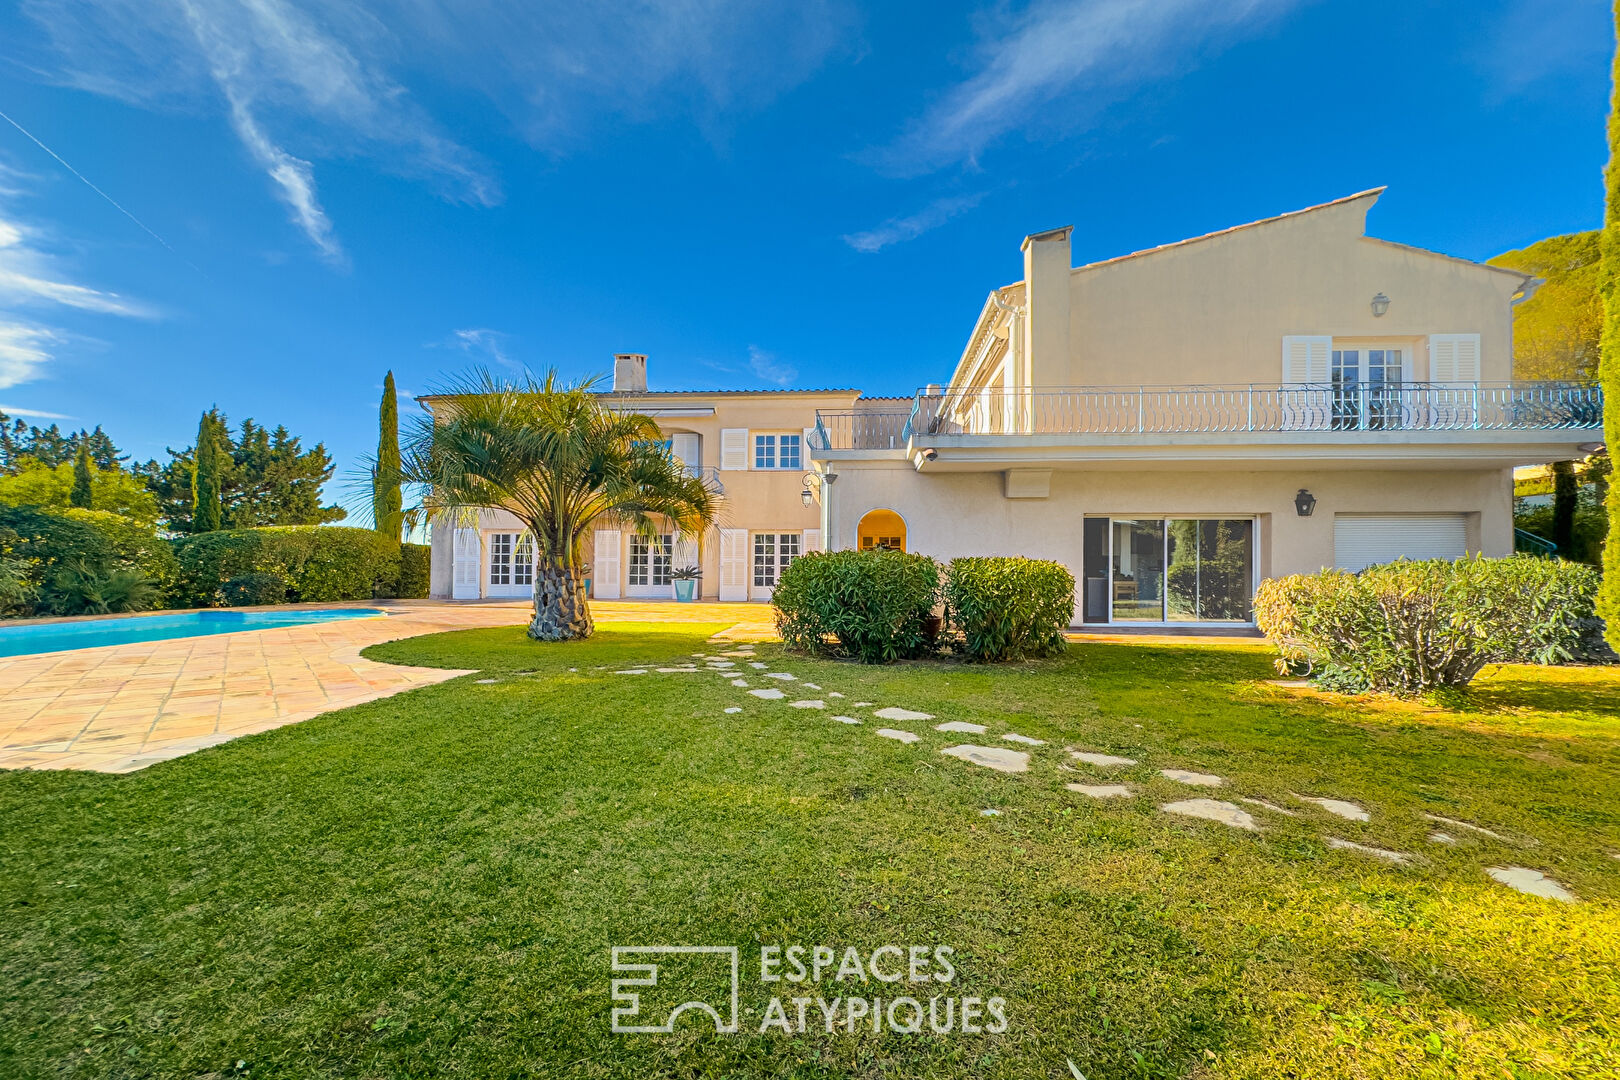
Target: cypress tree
x,y
80,495
387,501
205,479
1566,494
1609,354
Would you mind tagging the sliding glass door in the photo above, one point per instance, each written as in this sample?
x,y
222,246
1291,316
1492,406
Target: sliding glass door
x,y
1166,570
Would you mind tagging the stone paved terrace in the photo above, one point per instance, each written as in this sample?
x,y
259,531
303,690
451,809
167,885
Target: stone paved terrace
x,y
119,708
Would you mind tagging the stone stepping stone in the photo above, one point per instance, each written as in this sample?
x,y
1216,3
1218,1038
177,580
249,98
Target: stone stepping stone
x,y
742,683
846,719
1013,736
811,686
1101,791
1104,760
961,726
632,671
1337,807
1441,838
813,703
998,758
1268,806
734,709
1533,882
834,693
700,656
758,666
784,676
892,713
989,813
1465,825
861,705
1213,810
1400,858
901,736
675,670
769,694
722,663
486,682
1196,779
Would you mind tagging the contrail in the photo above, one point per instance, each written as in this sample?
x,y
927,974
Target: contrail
x,y
86,181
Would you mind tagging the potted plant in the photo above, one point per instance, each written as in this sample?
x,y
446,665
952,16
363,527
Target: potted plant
x,y
685,580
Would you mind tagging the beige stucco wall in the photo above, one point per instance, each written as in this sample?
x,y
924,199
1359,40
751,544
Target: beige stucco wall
x,y
954,514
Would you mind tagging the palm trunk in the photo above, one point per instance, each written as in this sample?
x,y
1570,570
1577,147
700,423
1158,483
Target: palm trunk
x,y
561,610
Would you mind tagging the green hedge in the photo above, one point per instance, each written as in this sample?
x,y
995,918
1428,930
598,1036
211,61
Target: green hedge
x,y
873,606
70,561
415,567
1009,608
1410,627
319,563
254,588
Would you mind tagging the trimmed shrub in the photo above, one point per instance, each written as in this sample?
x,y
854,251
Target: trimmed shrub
x,y
318,563
869,605
254,588
415,568
1009,608
61,561
1409,627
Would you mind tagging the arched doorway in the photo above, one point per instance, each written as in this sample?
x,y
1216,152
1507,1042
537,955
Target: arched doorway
x,y
881,529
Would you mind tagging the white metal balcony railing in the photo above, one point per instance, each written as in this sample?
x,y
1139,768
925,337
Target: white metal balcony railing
x,y
1156,410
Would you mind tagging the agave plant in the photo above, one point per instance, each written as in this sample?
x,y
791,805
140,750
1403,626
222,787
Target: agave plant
x,y
561,461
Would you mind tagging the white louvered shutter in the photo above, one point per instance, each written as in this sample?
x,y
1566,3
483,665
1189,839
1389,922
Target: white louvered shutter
x,y
734,448
812,540
1306,359
1454,358
605,570
466,559
733,564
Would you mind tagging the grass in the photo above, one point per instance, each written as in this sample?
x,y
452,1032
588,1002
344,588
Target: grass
x,y
430,885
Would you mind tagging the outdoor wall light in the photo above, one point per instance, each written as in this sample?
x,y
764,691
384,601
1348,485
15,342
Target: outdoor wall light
x,y
808,496
1304,503
1380,304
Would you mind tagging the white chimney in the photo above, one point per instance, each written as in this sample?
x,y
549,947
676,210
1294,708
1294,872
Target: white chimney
x,y
630,373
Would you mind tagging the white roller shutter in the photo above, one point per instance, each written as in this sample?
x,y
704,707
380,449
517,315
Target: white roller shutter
x,y
734,564
734,448
605,570
1363,540
467,560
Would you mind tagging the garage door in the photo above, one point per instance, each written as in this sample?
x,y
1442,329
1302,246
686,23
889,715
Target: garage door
x,y
1362,540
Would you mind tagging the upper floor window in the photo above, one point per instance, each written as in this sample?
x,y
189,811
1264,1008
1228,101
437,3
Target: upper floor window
x,y
780,451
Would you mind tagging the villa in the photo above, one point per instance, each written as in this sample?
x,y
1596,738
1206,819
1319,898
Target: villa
x,y
1173,425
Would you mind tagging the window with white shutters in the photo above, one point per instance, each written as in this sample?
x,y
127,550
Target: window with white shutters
x,y
1453,358
734,448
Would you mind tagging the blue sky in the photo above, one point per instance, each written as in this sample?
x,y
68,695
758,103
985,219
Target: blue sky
x,y
812,193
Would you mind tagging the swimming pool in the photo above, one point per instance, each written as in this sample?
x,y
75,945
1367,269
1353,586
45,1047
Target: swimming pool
x,y
24,640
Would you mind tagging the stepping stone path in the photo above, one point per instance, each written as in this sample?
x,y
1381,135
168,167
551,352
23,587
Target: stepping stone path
x,y
961,726
1338,807
486,682
811,686
1013,736
675,670
815,703
998,758
1441,838
901,736
846,719
784,676
862,705
771,694
1104,760
1196,779
834,693
1348,845
1530,881
741,683
1465,825
989,813
892,713
1213,810
632,671
1268,806
734,709
1101,791
757,666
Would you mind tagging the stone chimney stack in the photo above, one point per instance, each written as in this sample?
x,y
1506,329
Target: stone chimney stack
x,y
1047,266
629,373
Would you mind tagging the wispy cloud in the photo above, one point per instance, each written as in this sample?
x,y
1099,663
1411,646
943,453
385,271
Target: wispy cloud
x,y
23,351
765,365
1530,43
898,230
480,343
1054,49
301,81
31,414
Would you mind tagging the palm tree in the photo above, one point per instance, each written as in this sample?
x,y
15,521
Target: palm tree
x,y
560,460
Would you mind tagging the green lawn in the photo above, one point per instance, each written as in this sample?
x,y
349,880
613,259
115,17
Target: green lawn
x,y
430,886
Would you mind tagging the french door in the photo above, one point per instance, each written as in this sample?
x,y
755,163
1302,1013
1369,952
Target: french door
x,y
773,552
650,564
511,564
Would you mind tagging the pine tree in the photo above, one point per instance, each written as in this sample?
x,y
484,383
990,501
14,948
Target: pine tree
x,y
80,495
1609,354
205,475
387,501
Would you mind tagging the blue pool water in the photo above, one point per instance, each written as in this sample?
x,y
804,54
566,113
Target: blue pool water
x,y
22,640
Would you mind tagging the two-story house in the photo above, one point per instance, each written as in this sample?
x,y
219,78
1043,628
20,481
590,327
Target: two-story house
x,y
1176,424
750,445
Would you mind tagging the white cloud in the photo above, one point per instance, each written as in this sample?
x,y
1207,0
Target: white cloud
x,y
479,342
898,230
302,81
1551,37
1054,49
23,352
766,366
32,414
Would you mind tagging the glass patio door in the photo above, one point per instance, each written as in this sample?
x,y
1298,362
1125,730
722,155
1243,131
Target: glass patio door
x,y
1168,570
1138,571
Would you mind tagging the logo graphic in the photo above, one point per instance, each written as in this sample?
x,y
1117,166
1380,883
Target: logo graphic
x,y
628,1001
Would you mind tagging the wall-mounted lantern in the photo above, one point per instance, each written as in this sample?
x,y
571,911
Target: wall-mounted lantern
x,y
1304,503
808,496
1380,304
